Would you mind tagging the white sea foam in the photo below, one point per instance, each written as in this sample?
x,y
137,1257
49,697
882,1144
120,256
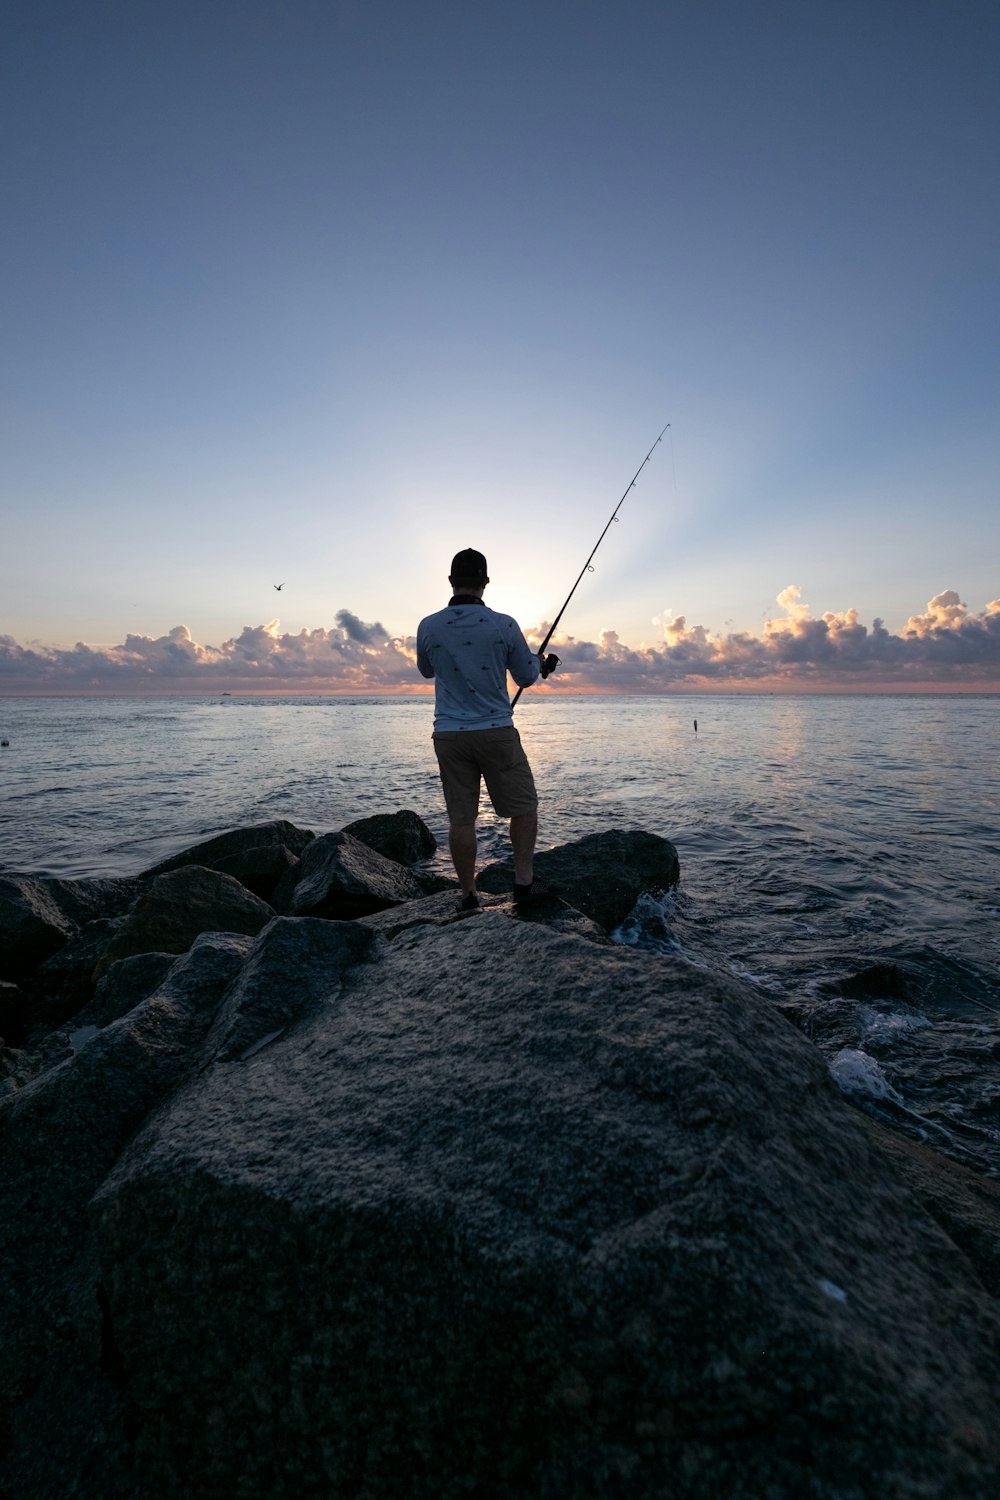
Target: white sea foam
x,y
882,1026
857,1073
759,980
647,926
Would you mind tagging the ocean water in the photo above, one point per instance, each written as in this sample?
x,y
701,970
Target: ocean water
x,y
818,838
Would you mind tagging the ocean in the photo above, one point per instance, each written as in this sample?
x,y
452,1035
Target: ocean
x,y
841,855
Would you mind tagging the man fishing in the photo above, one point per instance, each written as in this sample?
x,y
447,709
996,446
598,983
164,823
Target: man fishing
x,y
468,649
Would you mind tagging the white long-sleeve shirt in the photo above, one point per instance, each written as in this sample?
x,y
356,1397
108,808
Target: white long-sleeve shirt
x,y
468,649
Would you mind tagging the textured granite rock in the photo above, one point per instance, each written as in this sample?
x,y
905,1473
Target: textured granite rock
x,y
601,875
342,878
440,910
32,926
419,1206
61,1412
402,836
176,907
520,1215
225,850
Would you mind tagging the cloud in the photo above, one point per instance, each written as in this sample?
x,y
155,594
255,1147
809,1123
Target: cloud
x,y
946,647
357,630
350,657
789,601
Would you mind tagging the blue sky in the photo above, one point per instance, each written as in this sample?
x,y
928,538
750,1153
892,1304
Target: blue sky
x,y
319,293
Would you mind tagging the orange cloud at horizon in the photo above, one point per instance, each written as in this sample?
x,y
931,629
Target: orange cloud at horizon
x,y
946,648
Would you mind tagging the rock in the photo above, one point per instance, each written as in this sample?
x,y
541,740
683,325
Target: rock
x,y
22,1064
83,901
965,1204
597,1226
342,878
14,1013
439,911
59,1136
64,983
256,856
402,836
32,927
295,965
602,875
409,1205
177,906
883,981
39,915
128,982
259,868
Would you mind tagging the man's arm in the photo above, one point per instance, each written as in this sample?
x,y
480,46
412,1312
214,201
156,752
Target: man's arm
x,y
424,665
522,663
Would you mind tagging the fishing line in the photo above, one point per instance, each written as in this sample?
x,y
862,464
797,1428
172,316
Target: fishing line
x,y
587,565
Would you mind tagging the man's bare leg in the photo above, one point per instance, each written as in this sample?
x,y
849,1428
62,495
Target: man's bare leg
x,y
462,845
523,833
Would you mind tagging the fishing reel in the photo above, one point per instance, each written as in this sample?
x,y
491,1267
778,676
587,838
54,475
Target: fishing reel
x,y
549,664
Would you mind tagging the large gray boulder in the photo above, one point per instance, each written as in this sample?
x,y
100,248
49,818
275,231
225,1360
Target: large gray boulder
x,y
296,965
32,925
82,901
256,856
66,1419
126,983
515,1215
176,907
59,1137
38,915
402,836
342,878
259,867
64,983
602,875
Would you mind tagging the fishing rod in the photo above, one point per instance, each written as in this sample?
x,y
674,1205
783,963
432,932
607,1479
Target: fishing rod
x,y
586,567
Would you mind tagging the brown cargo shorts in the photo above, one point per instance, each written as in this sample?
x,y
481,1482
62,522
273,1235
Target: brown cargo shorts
x,y
466,756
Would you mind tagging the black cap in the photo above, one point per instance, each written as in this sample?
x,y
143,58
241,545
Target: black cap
x,y
468,566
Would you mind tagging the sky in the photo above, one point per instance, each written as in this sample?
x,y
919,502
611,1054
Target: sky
x,y
316,294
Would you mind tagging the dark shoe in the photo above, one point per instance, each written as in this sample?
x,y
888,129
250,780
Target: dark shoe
x,y
538,890
468,904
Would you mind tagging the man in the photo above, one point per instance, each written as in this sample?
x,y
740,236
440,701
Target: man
x,y
468,649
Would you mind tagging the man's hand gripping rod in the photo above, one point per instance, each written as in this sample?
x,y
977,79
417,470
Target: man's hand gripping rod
x,y
586,568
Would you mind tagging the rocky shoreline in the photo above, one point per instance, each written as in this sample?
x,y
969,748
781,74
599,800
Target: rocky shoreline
x,y
311,1189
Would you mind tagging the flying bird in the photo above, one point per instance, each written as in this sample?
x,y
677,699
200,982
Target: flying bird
x,y
279,587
